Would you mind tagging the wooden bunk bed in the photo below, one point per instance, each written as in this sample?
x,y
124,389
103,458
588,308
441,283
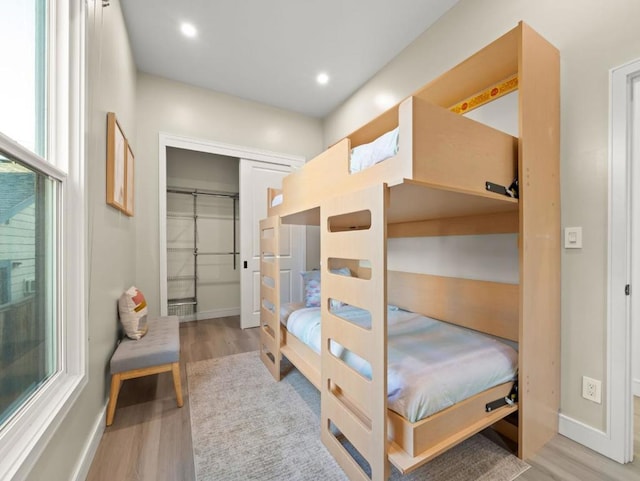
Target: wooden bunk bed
x,y
435,185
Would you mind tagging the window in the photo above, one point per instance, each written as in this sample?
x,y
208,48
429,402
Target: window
x,y
23,72
42,330
28,291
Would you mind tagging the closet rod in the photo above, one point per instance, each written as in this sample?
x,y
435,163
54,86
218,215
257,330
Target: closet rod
x,y
177,190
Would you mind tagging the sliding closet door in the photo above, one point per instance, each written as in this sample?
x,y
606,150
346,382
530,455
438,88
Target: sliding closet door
x,y
255,178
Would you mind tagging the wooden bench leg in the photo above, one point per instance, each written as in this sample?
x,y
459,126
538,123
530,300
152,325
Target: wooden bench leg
x,y
175,369
113,397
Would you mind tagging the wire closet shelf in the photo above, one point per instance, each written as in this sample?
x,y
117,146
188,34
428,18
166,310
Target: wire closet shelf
x,y
188,306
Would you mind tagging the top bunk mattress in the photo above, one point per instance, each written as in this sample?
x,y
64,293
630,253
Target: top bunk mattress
x,y
431,364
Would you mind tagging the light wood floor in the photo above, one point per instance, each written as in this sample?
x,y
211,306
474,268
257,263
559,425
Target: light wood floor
x,y
150,438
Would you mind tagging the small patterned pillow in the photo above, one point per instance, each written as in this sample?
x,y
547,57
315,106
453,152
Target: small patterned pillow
x,y
311,287
132,307
311,283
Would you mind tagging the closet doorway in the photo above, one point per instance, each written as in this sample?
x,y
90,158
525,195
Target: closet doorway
x,y
208,225
203,275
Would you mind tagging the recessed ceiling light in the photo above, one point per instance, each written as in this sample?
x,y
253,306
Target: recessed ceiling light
x,y
188,30
322,78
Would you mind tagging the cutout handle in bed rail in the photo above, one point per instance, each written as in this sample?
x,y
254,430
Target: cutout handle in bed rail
x,y
360,220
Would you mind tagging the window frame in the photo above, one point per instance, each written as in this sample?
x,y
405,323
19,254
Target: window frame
x,y
27,434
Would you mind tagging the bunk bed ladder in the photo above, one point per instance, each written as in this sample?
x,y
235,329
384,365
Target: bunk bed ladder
x,y
270,295
354,408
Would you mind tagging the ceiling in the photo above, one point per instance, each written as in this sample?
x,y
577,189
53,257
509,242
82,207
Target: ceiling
x,y
271,51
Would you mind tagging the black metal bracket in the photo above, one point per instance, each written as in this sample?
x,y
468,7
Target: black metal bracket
x,y
510,399
511,191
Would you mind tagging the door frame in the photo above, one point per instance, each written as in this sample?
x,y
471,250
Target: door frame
x,y
212,147
619,412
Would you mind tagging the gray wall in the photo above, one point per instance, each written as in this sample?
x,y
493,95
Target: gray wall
x,y
175,108
593,37
111,77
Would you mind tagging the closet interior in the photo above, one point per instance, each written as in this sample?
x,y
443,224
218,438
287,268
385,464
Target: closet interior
x,y
203,277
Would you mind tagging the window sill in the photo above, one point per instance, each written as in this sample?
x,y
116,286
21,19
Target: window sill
x,y
26,436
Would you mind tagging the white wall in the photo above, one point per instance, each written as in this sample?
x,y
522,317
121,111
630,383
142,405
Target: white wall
x,y
592,37
172,107
218,282
111,262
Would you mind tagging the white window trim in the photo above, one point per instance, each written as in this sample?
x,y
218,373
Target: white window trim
x,y
26,436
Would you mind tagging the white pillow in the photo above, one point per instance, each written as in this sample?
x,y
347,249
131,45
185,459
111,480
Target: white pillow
x,y
132,307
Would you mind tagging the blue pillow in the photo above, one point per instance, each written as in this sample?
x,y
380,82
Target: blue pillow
x,y
311,283
311,286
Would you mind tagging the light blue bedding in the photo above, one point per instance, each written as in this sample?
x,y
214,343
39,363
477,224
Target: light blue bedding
x,y
431,364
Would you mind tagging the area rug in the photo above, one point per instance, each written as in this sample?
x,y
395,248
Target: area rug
x,y
246,426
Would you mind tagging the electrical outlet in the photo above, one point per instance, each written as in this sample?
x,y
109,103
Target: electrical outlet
x,y
591,389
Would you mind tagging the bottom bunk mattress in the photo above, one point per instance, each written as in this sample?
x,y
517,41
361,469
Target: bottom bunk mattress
x,y
431,364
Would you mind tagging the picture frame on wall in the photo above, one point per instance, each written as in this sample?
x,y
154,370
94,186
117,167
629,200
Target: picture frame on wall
x,y
129,169
120,167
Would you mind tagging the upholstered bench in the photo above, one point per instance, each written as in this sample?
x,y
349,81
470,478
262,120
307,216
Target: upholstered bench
x,y
158,351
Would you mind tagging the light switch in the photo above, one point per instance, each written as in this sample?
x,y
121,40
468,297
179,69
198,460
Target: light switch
x,y
573,237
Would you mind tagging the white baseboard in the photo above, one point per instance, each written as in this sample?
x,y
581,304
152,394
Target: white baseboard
x,y
90,448
212,314
588,436
636,387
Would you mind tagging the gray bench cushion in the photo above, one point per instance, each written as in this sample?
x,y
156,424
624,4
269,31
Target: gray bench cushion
x,y
161,345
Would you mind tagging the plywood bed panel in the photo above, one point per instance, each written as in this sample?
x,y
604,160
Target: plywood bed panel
x,y
490,65
539,241
270,295
422,439
301,356
368,437
496,223
484,306
461,212
436,147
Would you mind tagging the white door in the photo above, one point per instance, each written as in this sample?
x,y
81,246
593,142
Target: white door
x,y
623,268
635,258
255,178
